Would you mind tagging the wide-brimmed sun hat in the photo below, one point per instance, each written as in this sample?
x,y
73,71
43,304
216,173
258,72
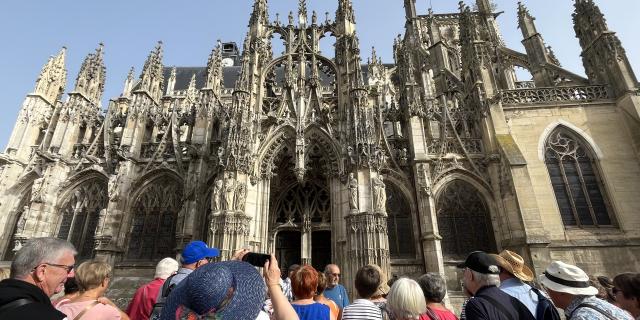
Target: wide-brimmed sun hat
x,y
233,290
514,264
563,277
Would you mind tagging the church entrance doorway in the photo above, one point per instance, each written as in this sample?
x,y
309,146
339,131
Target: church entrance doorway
x,y
288,250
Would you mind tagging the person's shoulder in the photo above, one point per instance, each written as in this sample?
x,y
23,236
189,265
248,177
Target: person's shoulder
x,y
35,310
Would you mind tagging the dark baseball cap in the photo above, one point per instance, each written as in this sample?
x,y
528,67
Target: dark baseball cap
x,y
481,262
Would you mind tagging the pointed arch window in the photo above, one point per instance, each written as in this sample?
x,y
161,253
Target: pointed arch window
x,y
153,224
80,216
576,181
463,221
399,224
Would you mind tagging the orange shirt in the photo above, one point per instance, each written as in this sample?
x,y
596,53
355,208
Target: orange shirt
x,y
333,308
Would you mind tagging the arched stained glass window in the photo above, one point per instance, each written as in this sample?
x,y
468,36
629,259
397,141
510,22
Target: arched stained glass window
x,y
399,224
463,221
575,180
154,221
80,216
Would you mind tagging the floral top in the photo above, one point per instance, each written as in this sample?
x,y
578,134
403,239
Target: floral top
x,y
596,310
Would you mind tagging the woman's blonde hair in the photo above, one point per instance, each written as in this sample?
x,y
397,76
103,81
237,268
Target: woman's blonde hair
x,y
406,300
91,274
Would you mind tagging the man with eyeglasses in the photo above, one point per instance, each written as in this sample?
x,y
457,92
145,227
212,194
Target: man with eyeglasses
x,y
39,270
334,290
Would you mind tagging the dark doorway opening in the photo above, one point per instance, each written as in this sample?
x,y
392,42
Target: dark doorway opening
x,y
321,249
288,250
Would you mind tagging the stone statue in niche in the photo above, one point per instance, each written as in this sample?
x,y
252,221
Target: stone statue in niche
x,y
113,187
36,190
229,190
22,220
241,196
379,195
102,216
353,193
216,196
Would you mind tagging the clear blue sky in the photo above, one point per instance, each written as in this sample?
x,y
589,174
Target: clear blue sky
x,y
32,30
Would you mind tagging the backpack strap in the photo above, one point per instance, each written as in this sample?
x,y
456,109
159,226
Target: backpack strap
x,y
87,308
432,315
167,287
593,307
15,304
497,305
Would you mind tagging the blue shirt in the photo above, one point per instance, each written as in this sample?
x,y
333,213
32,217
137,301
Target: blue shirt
x,y
338,294
572,312
521,291
314,311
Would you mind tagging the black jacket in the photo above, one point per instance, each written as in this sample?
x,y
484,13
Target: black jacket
x,y
492,303
40,308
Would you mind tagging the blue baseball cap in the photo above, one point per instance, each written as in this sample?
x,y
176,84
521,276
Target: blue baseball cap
x,y
197,250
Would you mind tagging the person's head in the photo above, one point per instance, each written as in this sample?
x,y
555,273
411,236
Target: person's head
x,y
45,262
564,281
405,300
512,266
433,286
71,286
196,254
229,289
367,281
480,270
332,272
165,268
322,284
292,268
304,282
627,292
604,292
383,287
93,275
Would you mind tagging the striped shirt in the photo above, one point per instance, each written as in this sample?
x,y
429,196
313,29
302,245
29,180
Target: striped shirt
x,y
362,309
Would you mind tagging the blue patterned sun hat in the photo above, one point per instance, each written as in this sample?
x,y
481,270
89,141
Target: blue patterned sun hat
x,y
233,290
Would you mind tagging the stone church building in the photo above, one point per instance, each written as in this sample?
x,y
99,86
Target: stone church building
x,y
321,159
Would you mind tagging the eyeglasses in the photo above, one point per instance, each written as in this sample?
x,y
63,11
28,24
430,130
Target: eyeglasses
x,y
333,274
66,267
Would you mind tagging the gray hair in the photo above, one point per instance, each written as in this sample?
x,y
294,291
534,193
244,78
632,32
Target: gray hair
x,y
37,251
166,267
433,286
406,300
484,280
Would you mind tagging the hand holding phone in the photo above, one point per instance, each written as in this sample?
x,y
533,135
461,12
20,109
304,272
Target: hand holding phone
x,y
256,259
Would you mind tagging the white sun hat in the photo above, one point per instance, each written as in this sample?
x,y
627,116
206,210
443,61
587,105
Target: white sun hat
x,y
563,277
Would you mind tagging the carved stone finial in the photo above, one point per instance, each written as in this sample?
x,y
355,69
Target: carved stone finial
x,y
152,78
91,77
53,78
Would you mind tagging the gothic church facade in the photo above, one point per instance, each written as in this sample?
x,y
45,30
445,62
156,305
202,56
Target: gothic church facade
x,y
409,165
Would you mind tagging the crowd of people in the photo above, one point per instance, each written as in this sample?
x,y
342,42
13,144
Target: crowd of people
x,y
44,283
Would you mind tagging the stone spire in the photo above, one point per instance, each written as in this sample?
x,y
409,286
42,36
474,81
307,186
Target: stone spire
x,y
92,75
526,21
53,78
214,69
302,13
537,52
605,60
152,79
259,17
410,9
588,22
345,18
128,83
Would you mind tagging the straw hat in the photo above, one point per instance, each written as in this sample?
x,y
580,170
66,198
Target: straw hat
x,y
514,264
